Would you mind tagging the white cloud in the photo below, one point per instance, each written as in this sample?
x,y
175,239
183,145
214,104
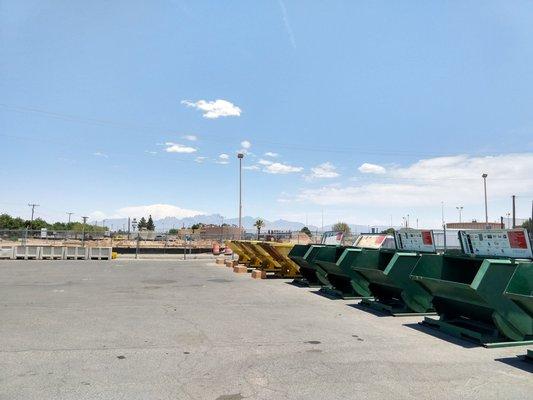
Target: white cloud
x,y
151,152
368,168
265,162
270,154
246,144
200,159
100,154
214,109
279,168
252,167
323,171
157,211
96,216
191,138
223,159
179,148
455,179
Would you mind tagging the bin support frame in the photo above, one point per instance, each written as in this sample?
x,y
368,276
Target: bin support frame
x,y
395,309
471,335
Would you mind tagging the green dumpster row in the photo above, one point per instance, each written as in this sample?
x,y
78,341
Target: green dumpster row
x,y
483,293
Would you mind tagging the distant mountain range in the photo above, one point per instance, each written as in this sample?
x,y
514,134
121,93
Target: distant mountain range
x,y
167,223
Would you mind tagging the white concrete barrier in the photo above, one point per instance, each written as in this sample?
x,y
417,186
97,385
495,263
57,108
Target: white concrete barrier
x,y
27,252
52,252
100,253
75,253
6,252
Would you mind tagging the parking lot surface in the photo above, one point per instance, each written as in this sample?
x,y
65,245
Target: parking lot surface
x,y
174,329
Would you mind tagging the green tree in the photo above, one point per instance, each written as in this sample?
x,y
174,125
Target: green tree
x,y
150,224
306,230
8,222
342,227
142,223
528,225
389,231
259,224
197,226
39,223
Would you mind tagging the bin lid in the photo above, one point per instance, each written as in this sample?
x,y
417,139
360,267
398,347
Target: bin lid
x,y
410,239
512,243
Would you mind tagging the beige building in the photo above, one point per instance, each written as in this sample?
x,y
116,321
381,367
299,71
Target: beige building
x,y
474,225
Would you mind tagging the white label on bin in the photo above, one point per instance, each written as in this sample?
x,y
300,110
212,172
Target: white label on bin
x,y
496,242
415,240
376,241
332,238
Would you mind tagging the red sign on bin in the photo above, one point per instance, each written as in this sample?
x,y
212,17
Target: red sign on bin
x,y
517,239
426,238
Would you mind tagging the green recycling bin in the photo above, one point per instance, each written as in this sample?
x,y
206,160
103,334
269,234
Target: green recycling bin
x,y
336,269
520,288
304,256
335,282
468,291
387,275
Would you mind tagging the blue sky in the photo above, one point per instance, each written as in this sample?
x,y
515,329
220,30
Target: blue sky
x,y
375,110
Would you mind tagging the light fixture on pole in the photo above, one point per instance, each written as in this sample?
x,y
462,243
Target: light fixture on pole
x,y
240,156
460,209
484,176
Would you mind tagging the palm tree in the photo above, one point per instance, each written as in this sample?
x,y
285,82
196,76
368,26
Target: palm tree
x,y
259,224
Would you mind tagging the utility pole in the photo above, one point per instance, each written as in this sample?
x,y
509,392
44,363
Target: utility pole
x,y
484,176
240,156
83,230
32,212
443,224
514,211
69,215
460,209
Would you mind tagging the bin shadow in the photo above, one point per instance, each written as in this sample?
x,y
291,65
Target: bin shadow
x,y
443,336
519,362
327,295
370,310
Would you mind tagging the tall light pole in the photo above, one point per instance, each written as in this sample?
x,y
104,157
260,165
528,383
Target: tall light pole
x,y
240,156
460,209
484,176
